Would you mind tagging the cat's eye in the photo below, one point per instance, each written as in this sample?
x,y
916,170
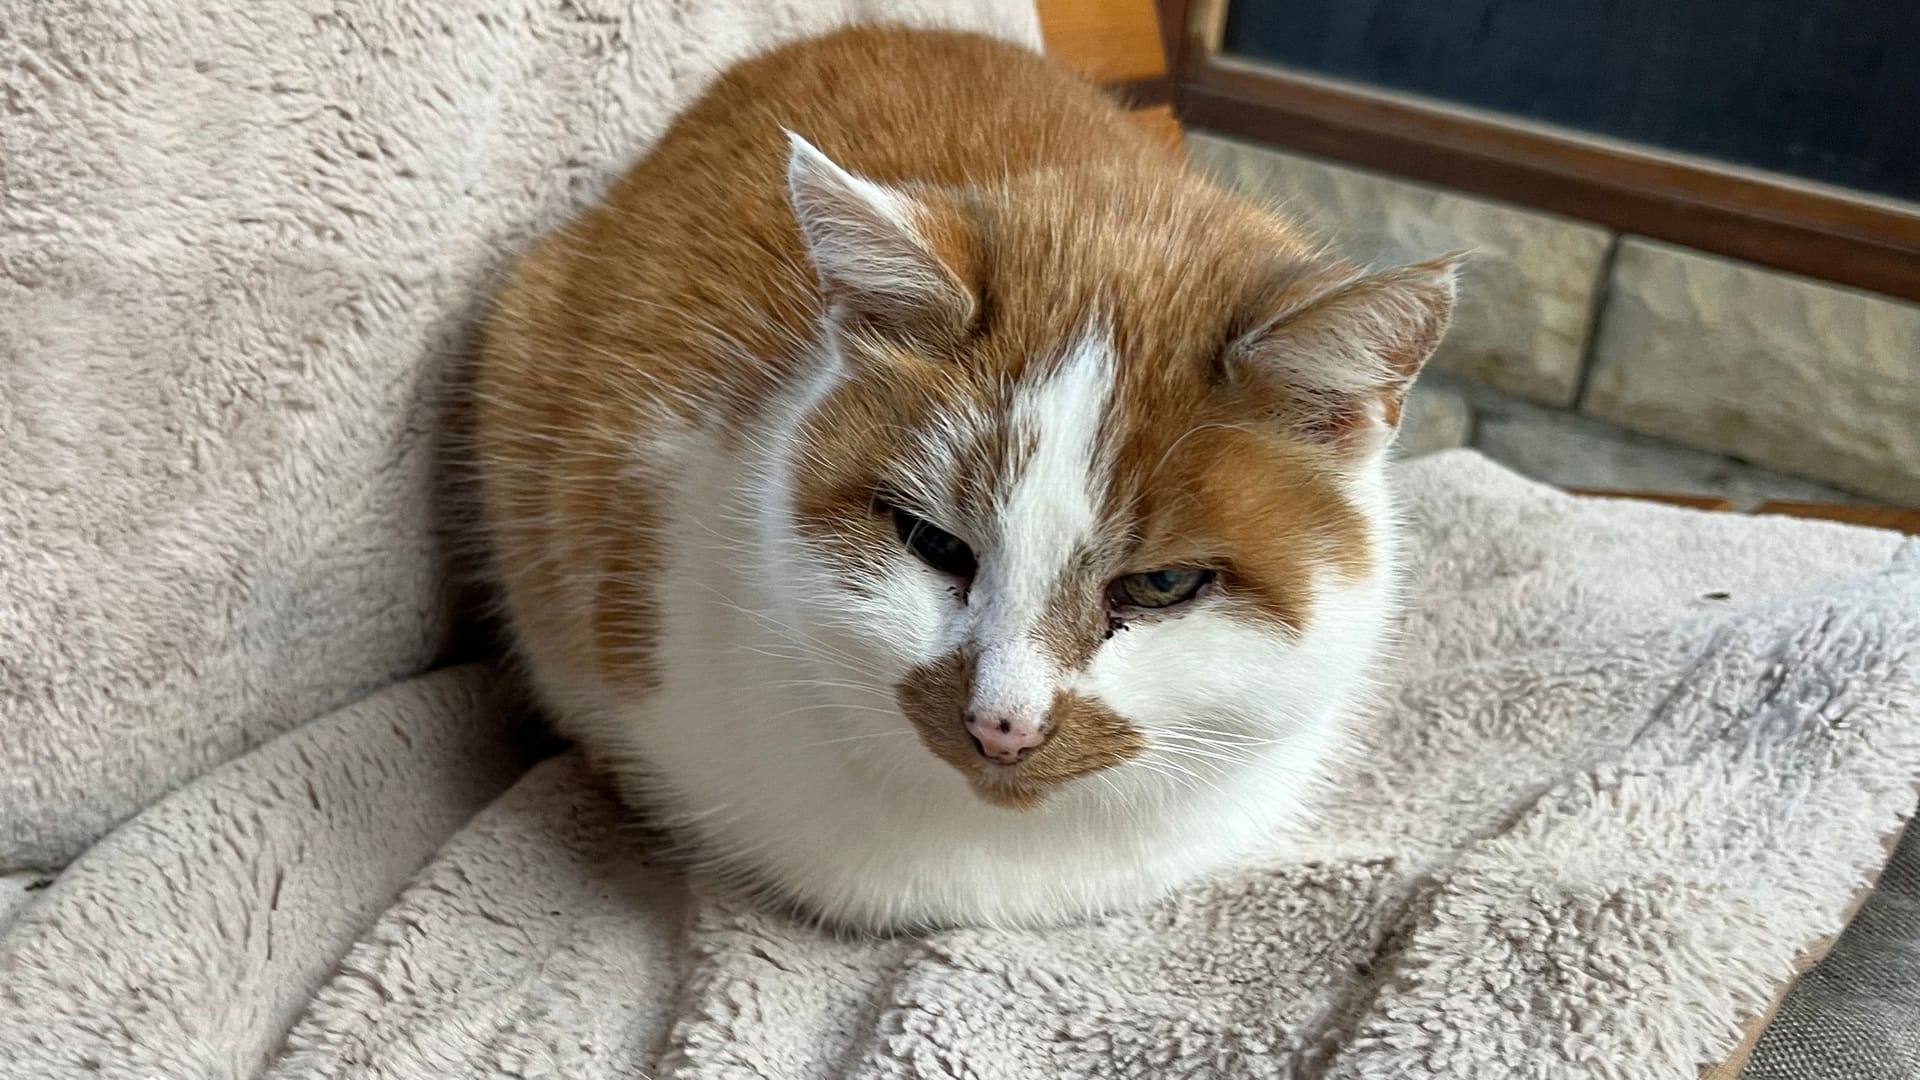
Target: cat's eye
x,y
934,545
1159,588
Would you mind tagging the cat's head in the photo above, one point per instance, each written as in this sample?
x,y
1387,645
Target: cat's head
x,y
1090,477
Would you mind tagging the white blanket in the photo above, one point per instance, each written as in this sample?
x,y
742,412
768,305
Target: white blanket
x,y
1634,760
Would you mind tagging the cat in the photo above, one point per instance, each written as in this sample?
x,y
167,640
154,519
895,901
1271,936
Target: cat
x,y
936,502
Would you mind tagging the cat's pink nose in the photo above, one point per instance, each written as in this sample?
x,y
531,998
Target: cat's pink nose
x,y
1006,739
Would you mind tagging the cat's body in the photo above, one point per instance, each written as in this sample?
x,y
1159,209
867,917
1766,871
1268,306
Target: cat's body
x,y
1004,541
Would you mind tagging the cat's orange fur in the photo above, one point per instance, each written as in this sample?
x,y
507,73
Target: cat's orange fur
x,y
686,301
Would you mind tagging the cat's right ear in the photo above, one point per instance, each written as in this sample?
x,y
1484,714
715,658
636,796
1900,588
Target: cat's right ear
x,y
878,251
1335,368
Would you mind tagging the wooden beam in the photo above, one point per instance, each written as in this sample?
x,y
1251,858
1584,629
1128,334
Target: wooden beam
x,y
1877,517
1118,44
1696,502
1109,41
1898,519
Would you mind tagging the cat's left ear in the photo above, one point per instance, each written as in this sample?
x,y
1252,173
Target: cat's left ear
x,y
1335,369
884,258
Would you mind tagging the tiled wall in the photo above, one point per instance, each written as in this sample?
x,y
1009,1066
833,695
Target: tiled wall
x,y
1629,363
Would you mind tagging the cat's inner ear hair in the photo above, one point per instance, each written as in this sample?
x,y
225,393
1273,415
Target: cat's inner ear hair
x,y
1335,367
888,260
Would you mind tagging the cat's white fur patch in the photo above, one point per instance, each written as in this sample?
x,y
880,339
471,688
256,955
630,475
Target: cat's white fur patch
x,y
1045,519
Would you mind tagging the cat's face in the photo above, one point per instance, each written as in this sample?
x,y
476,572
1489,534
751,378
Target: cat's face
x,y
1079,490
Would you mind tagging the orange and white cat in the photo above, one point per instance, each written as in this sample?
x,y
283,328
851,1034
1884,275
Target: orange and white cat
x,y
937,502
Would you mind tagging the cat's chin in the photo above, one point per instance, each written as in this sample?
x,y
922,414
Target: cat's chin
x,y
1004,787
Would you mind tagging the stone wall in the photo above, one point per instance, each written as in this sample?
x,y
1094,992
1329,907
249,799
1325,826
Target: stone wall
x,y
1591,359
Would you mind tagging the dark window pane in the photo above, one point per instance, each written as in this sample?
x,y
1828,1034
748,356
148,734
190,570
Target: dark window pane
x,y
1828,90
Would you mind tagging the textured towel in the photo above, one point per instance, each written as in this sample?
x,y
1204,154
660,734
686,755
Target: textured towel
x,y
1633,760
238,240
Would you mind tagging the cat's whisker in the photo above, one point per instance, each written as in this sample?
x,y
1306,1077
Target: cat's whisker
x,y
854,738
1241,749
1127,805
795,634
1230,741
1184,783
798,651
829,684
836,707
1177,750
